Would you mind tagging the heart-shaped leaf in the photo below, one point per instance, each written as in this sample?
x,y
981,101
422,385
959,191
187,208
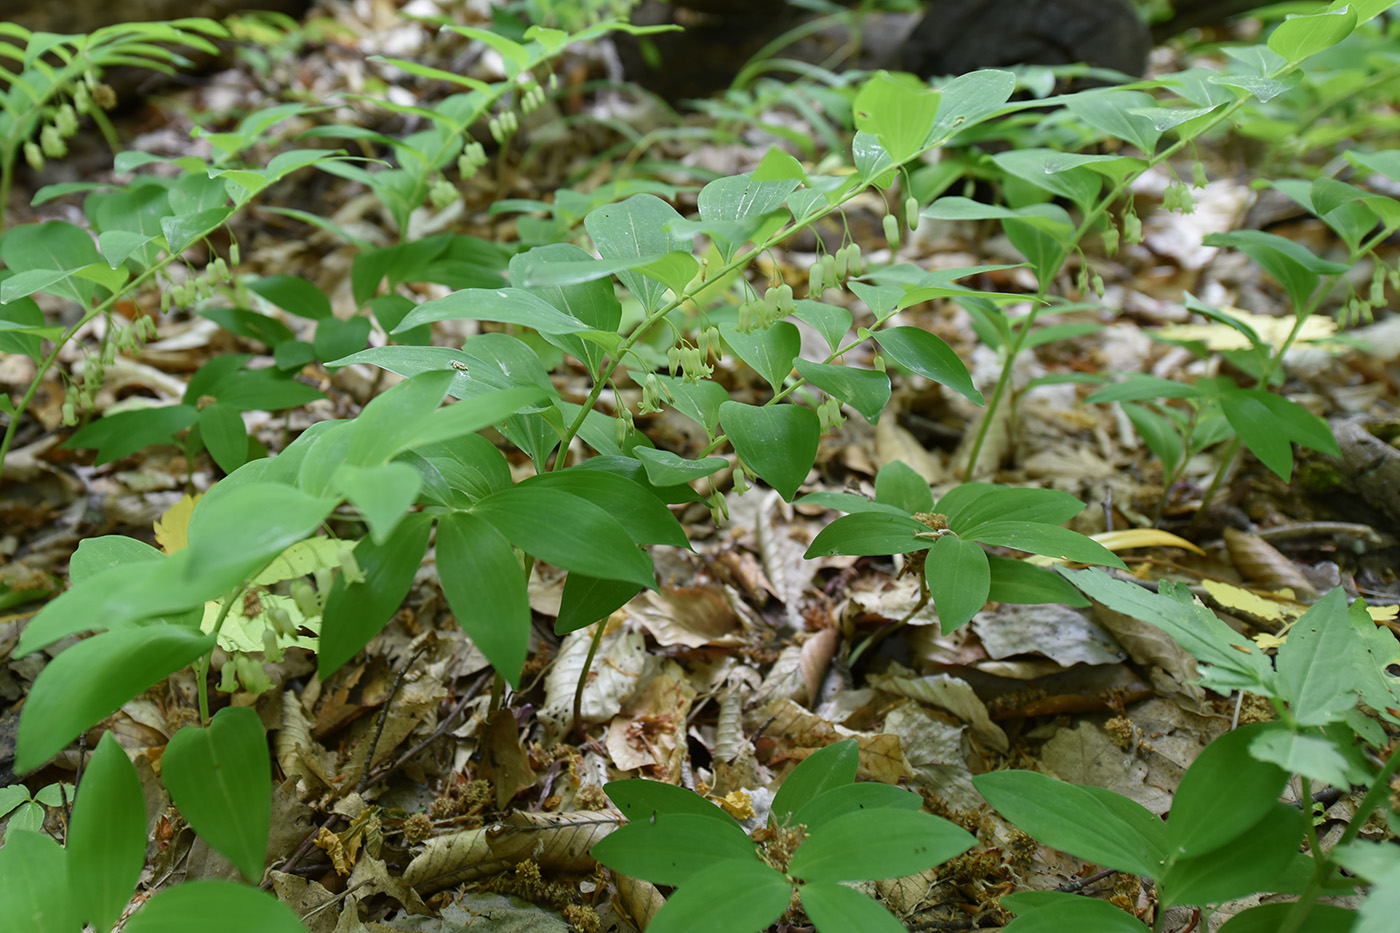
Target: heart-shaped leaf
x,y
219,777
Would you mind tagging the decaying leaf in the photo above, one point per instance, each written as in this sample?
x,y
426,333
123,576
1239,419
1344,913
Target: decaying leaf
x,y
649,732
502,758
801,733
1262,564
555,841
616,671
453,859
946,692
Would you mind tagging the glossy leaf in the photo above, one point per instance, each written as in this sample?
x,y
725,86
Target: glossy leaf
x,y
485,586
821,771
356,612
898,110
93,678
959,579
1254,861
1055,912
219,777
646,519
870,533
382,493
221,536
672,848
835,907
632,229
214,907
725,897
736,198
638,799
972,505
36,896
768,351
875,844
865,390
864,796
1072,819
777,442
590,599
1224,792
929,356
502,305
899,485
1300,37
1049,540
664,468
107,836
1016,581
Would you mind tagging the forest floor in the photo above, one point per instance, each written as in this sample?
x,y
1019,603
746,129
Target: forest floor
x,y
414,806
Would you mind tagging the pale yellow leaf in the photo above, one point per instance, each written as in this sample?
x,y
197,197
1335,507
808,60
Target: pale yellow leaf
x,y
172,526
1238,599
1272,330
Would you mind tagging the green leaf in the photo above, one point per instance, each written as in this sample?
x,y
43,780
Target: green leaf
x,y
214,907
726,897
382,493
593,302
672,848
899,110
502,305
356,612
590,599
769,352
921,352
639,799
1038,166
93,678
1115,112
1236,662
968,100
221,428
1138,387
738,198
1300,37
36,896
665,468
485,586
470,464
52,245
1295,267
220,778
972,505
1049,540
834,908
1073,819
777,442
1055,912
821,771
1313,674
1015,581
292,294
393,420
1159,434
870,533
1224,792
853,798
1254,861
642,514
107,836
122,434
635,228
247,524
831,321
897,484
698,401
865,390
1311,756
875,844
850,502
959,579
1322,918
491,407
568,532
336,338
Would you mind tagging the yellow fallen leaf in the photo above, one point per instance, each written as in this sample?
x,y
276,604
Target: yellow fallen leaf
x,y
1130,538
172,526
1272,330
1383,614
1239,599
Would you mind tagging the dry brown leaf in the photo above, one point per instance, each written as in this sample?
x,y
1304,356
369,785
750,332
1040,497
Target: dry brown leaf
x,y
298,754
503,761
554,841
802,733
650,730
1086,755
1057,632
616,671
371,876
449,860
1260,563
904,895
949,693
692,616
638,899
817,653
1171,669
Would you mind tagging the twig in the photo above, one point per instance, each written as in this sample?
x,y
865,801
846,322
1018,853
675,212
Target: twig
x,y
383,718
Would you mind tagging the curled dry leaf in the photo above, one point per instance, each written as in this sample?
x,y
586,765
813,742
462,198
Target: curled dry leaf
x,y
298,754
449,860
1058,632
1264,565
650,730
503,759
1170,668
616,671
638,899
949,693
692,616
554,841
817,653
800,733
729,726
